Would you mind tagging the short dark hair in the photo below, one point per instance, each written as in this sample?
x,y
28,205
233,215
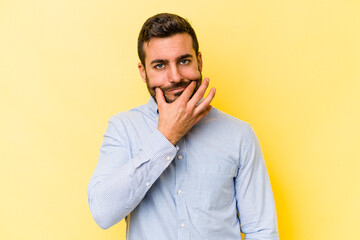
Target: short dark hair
x,y
164,25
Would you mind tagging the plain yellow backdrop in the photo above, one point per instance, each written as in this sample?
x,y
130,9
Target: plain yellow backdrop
x,y
290,68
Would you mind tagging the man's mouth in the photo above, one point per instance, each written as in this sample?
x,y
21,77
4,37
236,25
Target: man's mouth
x,y
176,90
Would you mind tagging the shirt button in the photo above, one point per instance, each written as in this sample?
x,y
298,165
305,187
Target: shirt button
x,y
182,225
179,191
168,158
179,157
147,184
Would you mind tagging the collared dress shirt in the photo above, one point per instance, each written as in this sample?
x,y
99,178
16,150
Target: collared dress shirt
x,y
211,185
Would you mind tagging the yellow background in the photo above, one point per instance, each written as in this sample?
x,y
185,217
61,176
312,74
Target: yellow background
x,y
290,68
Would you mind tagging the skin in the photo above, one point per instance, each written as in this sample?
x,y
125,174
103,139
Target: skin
x,y
172,73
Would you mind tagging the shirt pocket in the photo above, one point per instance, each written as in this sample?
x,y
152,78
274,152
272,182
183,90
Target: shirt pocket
x,y
216,188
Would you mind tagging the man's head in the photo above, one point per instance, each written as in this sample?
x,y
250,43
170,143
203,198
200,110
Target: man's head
x,y
169,55
161,26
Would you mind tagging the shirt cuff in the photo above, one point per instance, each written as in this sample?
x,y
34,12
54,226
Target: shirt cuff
x,y
156,147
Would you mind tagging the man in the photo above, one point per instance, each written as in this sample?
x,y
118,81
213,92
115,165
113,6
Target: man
x,y
176,168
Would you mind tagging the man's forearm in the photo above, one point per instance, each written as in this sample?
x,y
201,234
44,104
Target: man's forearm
x,y
113,194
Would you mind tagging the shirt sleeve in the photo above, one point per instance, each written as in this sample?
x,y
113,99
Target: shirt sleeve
x,y
119,183
255,201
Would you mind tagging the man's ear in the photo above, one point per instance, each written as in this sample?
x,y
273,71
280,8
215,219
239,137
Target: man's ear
x,y
142,71
200,63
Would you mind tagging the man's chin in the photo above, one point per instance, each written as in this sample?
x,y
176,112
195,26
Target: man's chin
x,y
171,99
167,99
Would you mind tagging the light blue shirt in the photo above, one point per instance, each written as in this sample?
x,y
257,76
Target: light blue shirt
x,y
210,185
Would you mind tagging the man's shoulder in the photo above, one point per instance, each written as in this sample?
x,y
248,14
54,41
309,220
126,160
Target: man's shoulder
x,y
226,129
132,114
227,119
225,126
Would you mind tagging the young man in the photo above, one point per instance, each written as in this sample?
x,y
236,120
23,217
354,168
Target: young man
x,y
176,168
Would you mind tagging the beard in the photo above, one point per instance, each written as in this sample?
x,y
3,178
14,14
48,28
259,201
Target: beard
x,y
182,83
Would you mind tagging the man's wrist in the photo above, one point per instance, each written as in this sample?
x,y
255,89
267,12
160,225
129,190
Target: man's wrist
x,y
169,137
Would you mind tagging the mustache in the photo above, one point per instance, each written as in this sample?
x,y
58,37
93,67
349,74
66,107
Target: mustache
x,y
175,86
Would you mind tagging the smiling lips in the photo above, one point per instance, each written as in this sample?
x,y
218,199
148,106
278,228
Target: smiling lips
x,y
176,90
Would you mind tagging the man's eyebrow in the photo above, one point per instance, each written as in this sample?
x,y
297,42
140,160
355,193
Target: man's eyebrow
x,y
158,61
177,59
184,56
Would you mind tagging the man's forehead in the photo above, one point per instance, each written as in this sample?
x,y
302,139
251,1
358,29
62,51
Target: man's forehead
x,y
177,44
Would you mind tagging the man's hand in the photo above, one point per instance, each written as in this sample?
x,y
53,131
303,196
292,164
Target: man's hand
x,y
178,117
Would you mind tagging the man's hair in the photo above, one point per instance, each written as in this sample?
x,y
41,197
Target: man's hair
x,y
161,26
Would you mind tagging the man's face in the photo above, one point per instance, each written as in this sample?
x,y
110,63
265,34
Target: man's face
x,y
171,64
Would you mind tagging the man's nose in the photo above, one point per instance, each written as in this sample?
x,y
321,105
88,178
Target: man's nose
x,y
174,74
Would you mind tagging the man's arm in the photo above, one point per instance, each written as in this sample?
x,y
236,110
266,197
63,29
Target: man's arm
x,y
119,183
255,201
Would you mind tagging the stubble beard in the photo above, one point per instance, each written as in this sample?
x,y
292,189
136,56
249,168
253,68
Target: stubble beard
x,y
180,84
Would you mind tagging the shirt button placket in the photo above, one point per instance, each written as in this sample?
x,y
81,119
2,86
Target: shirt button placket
x,y
180,192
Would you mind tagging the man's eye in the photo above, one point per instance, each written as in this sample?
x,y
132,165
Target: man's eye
x,y
159,66
185,61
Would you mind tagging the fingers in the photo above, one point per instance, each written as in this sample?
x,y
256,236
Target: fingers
x,y
203,114
192,103
160,99
188,91
206,103
199,93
